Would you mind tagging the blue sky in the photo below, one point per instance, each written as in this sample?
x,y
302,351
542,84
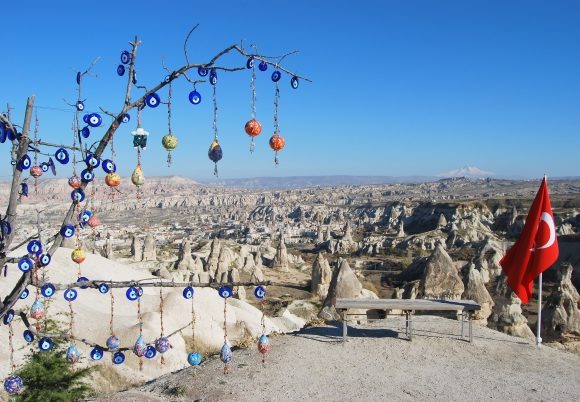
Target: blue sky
x,y
399,87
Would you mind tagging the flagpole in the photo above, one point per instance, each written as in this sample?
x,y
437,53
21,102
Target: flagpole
x,y
539,324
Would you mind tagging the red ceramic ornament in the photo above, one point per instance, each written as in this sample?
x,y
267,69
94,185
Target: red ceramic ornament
x,y
253,128
74,182
277,142
36,171
94,221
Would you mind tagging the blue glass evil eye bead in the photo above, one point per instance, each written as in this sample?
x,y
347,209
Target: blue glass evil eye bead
x,y
263,66
260,292
126,118
195,97
92,161
87,176
125,57
70,295
44,166
24,294
294,82
150,352
119,358
188,292
95,120
5,225
79,75
84,280
85,132
67,231
25,264
47,290
120,70
103,288
213,79
153,100
202,71
44,260
80,105
45,344
8,317
132,294
109,166
28,336
96,353
24,162
86,118
250,62
276,75
77,195
85,215
34,247
225,292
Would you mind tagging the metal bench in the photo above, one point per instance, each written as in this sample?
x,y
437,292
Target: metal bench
x,y
408,306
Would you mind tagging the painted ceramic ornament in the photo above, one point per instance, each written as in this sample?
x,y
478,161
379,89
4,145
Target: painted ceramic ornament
x,y
94,222
120,70
119,358
8,317
226,353
125,57
139,348
36,171
104,288
294,82
140,138
34,247
24,163
169,142
162,344
45,344
276,75
253,128
77,195
109,166
67,231
74,182
70,295
194,358
72,354
150,352
25,264
112,180
37,310
152,100
97,353
113,342
188,292
95,120
13,384
215,152
87,176
277,142
132,294
28,336
78,255
44,260
47,290
138,178
263,66
263,344
61,155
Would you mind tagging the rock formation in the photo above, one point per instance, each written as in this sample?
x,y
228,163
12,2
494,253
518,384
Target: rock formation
x,y
185,261
137,249
507,315
475,290
280,261
560,315
212,261
149,248
321,276
440,279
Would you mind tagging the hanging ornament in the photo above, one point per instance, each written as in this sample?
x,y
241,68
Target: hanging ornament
x,y
138,178
263,342
226,356
78,255
113,342
215,152
45,344
112,179
48,290
37,310
152,100
74,182
226,351
119,358
294,82
277,142
36,171
169,141
162,344
150,352
109,166
72,354
94,221
195,97
96,353
28,336
253,127
139,135
193,358
140,347
13,384
263,66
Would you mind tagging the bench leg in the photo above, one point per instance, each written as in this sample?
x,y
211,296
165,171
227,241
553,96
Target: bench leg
x,y
470,316
406,323
462,322
344,326
410,319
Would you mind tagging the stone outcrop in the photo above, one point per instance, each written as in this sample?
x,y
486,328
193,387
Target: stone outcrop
x,y
507,315
321,276
212,261
185,261
440,279
475,290
280,261
149,248
560,315
137,249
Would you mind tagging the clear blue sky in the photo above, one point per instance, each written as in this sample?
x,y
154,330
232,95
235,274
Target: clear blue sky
x,y
399,87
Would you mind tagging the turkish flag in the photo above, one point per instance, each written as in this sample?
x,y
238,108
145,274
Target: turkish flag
x,y
535,250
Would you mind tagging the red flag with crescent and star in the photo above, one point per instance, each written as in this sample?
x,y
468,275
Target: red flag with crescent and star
x,y
535,250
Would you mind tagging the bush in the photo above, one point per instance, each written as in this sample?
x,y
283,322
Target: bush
x,y
47,377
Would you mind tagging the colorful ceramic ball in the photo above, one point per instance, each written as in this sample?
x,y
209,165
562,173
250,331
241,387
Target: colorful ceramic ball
x,y
263,344
139,348
215,152
113,342
37,310
94,221
78,255
226,353
162,344
72,354
138,178
169,142
36,171
194,359
13,384
277,142
74,182
253,128
112,179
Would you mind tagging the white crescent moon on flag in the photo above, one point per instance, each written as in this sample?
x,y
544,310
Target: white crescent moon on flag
x,y
546,217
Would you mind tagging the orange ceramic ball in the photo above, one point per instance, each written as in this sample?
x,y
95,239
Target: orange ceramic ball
x,y
78,255
277,142
74,182
253,128
112,179
94,221
36,171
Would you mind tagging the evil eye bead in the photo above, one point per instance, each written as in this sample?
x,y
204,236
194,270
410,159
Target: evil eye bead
x,y
194,359
153,100
79,75
44,260
5,226
96,353
263,66
202,71
126,118
45,344
24,294
109,166
140,291
8,317
150,352
10,134
95,120
260,292
85,215
83,280
44,166
250,62
25,264
132,294
67,231
24,162
92,161
120,70
87,176
70,295
86,118
276,75
47,290
103,288
167,78
85,132
213,77
2,133
225,292
80,106
28,336
188,292
34,247
77,195
294,82
119,358
125,57
134,79
195,97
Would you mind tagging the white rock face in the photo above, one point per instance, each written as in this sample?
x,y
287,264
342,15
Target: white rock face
x,y
507,316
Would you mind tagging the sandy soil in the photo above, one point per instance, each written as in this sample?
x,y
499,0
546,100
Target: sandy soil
x,y
378,363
